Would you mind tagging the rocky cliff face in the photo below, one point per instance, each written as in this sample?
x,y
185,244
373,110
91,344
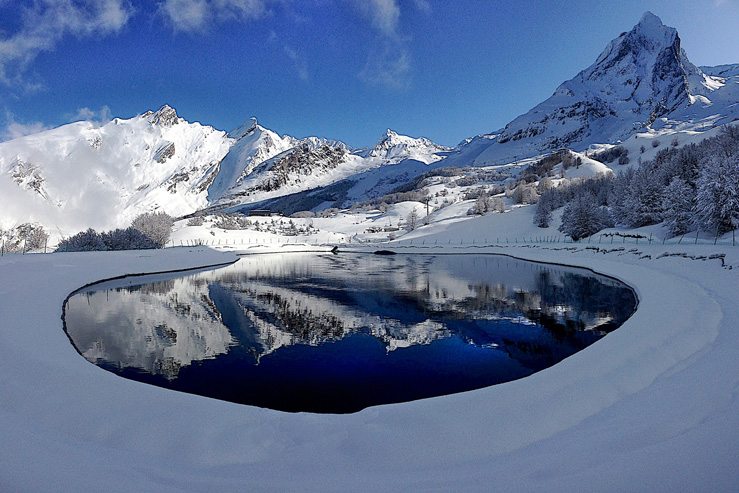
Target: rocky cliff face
x,y
641,76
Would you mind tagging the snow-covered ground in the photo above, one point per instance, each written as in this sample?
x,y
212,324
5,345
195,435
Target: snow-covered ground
x,y
652,406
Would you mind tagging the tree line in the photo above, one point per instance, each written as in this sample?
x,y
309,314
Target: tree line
x,y
691,187
147,231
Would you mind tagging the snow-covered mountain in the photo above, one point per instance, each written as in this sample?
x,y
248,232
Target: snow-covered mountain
x,y
101,176
86,175
642,76
396,148
253,145
266,166
82,175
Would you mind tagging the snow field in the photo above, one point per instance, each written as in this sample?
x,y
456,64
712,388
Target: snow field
x,y
652,405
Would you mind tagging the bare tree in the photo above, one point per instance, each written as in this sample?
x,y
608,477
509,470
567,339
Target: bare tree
x,y
412,219
155,225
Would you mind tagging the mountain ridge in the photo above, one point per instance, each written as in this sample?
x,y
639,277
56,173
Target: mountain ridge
x,y
642,80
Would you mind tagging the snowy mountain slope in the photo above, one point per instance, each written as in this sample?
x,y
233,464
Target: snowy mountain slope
x,y
254,144
82,175
641,76
314,163
395,148
79,175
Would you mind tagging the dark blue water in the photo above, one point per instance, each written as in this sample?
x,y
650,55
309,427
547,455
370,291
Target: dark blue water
x,y
339,333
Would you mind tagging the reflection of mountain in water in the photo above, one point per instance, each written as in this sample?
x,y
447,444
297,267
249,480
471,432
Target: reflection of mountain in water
x,y
536,314
157,328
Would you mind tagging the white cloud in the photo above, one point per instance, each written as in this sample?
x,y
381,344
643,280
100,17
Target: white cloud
x,y
383,14
389,65
186,15
197,15
390,68
47,22
102,116
14,130
301,65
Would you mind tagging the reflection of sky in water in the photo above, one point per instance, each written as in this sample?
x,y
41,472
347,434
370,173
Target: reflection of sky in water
x,y
305,332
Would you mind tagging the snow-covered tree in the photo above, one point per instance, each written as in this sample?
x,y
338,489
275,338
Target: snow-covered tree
x,y
83,241
127,239
155,225
717,202
642,203
543,214
196,220
584,217
677,204
496,205
525,193
482,204
544,185
33,236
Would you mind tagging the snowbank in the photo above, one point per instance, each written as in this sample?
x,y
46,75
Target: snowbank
x,y
652,406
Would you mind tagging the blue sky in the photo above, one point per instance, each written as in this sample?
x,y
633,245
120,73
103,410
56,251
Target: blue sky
x,y
341,69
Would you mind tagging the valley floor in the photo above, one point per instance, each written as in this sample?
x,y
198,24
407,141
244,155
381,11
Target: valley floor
x,y
653,406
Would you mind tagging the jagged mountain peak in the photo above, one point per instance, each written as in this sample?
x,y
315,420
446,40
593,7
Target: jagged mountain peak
x,y
395,145
651,26
166,116
640,76
648,43
244,129
316,142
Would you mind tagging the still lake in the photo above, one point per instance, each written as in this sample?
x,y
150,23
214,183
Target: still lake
x,y
338,333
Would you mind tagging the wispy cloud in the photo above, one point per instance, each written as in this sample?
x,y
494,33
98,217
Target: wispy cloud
x,y
301,65
389,64
102,116
383,14
14,130
388,68
423,6
46,22
198,15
